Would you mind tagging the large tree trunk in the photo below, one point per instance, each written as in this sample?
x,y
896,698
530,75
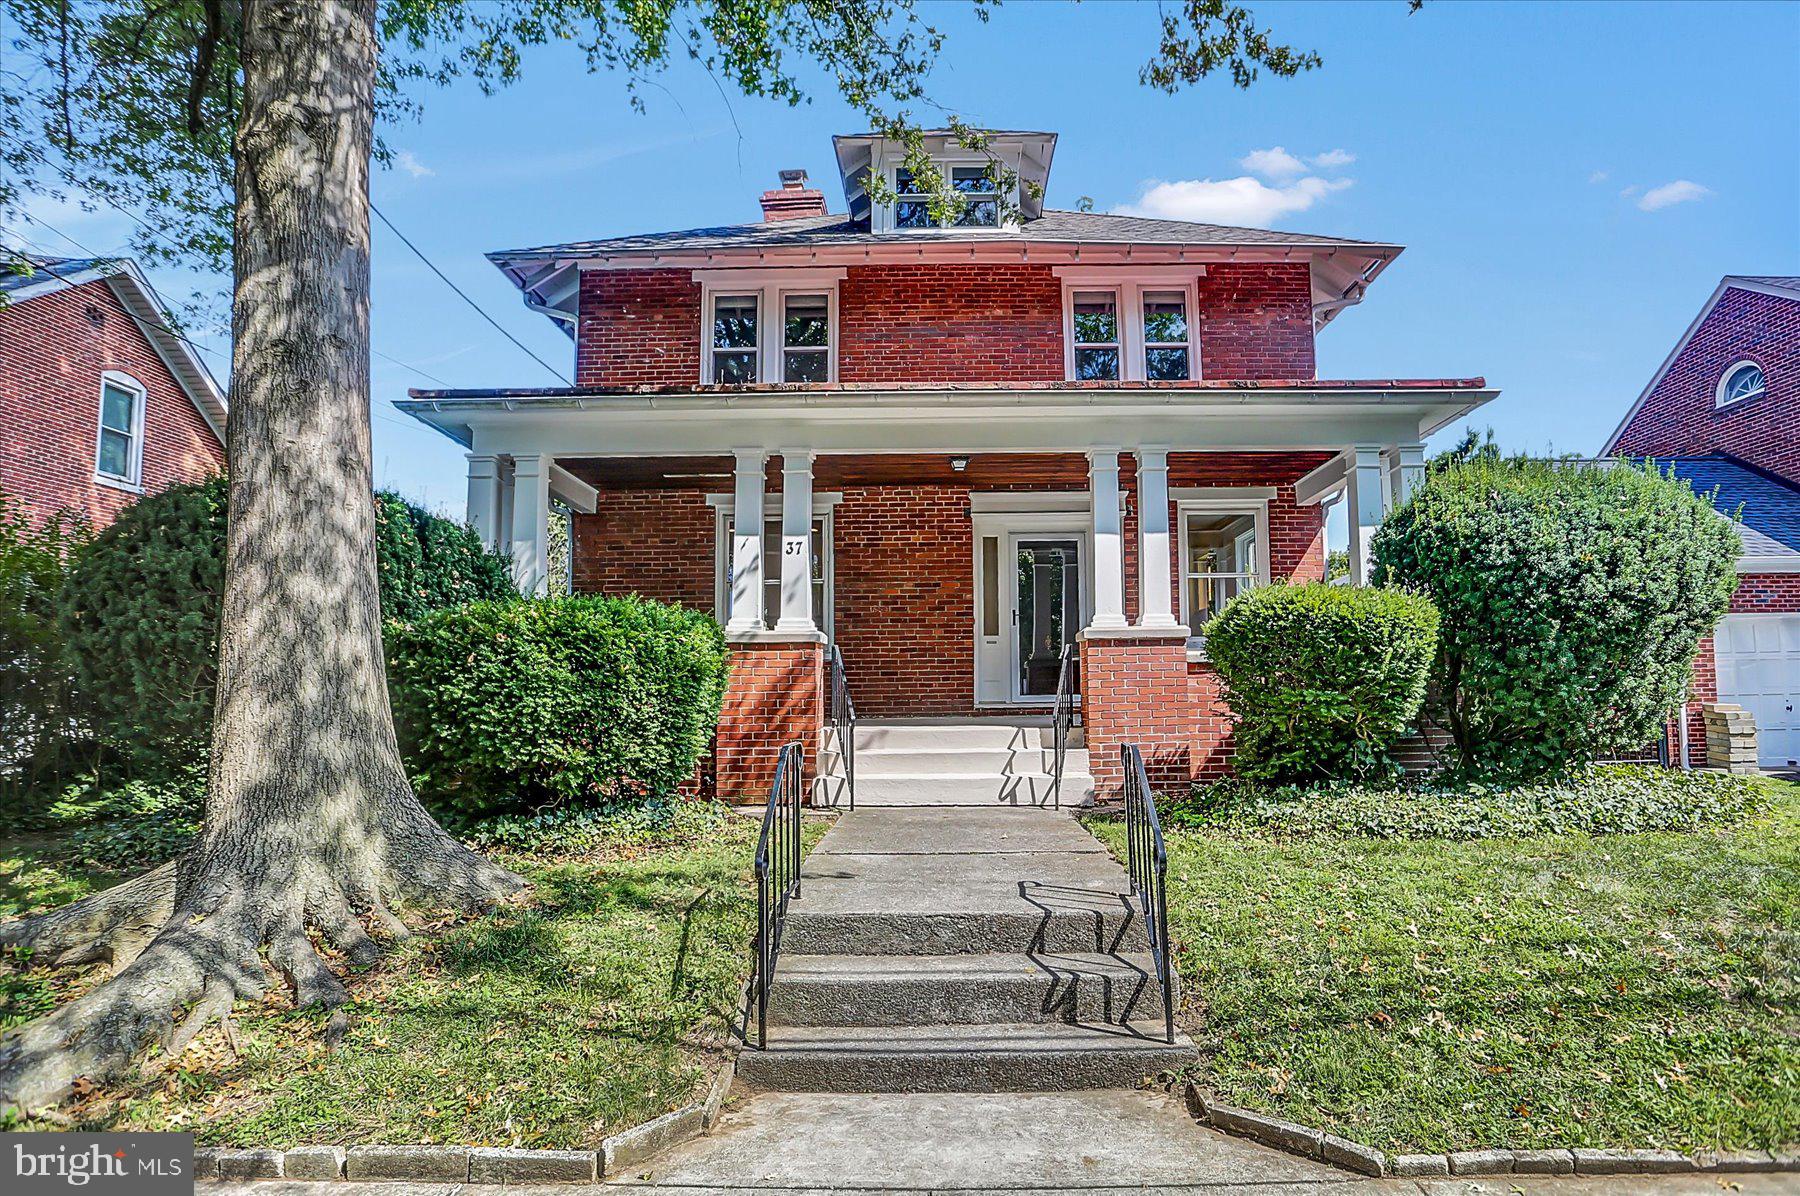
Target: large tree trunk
x,y
310,822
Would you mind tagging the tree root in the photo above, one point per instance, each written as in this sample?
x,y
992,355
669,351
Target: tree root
x,y
185,948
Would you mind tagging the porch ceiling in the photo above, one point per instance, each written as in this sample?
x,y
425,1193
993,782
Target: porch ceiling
x,y
984,471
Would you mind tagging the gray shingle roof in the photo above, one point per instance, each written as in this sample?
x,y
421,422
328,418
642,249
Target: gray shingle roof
x,y
13,278
1767,508
1790,281
829,230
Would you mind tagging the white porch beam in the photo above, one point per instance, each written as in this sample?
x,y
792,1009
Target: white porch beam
x,y
572,492
531,524
484,499
1322,484
1405,469
746,543
1109,554
1364,494
1156,586
796,543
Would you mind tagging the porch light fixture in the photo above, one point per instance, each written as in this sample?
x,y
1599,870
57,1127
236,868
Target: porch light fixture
x,y
959,463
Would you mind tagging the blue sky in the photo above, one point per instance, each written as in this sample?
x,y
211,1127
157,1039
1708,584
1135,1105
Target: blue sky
x,y
1570,180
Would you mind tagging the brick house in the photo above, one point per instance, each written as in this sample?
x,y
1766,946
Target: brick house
x,y
100,401
1723,411
945,453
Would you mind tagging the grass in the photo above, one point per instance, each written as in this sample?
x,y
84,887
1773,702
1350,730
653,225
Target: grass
x,y
604,1001
1548,991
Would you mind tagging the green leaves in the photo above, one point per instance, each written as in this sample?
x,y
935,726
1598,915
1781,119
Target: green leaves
x,y
1323,679
593,702
1573,600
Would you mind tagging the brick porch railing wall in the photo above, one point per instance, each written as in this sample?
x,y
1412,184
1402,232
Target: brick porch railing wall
x,y
775,694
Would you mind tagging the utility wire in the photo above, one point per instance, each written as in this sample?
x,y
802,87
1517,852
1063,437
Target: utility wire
x,y
558,374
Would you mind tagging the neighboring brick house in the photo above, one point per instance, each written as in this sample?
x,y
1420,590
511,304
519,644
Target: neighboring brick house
x,y
947,453
101,402
1723,411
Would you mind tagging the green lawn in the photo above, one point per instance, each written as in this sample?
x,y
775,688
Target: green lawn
x,y
602,1003
1560,990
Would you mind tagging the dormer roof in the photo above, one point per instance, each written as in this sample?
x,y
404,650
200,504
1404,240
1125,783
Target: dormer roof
x,y
1027,153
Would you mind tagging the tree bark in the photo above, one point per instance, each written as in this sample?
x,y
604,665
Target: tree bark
x,y
311,823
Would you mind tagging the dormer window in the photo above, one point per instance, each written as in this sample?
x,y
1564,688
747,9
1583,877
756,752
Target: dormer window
x,y
912,207
974,184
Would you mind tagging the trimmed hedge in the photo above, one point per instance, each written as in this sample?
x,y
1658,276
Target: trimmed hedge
x,y
1323,679
1573,598
583,701
1601,799
139,610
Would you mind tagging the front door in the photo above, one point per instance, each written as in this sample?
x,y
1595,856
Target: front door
x,y
1046,611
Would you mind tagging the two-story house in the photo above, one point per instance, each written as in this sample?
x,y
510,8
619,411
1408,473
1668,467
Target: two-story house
x,y
948,452
1723,411
102,400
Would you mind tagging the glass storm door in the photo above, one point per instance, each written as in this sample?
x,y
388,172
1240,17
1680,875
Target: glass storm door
x,y
1046,610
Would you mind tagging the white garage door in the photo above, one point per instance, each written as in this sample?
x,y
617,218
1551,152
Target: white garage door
x,y
1759,669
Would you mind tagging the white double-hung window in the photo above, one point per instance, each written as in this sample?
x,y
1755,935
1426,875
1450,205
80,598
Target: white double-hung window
x,y
768,326
119,451
1130,324
1223,551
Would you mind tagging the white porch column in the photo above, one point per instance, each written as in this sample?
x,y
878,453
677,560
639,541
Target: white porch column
x,y
1406,469
1155,585
531,523
484,498
1363,493
746,543
1109,553
796,543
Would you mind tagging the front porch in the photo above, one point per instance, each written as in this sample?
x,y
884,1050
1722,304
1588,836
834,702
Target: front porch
x,y
949,550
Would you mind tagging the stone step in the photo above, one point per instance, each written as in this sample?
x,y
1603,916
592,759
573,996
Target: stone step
x,y
882,762
1049,1056
973,789
815,931
912,990
943,733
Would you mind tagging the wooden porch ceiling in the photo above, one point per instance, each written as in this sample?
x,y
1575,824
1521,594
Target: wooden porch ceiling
x,y
984,471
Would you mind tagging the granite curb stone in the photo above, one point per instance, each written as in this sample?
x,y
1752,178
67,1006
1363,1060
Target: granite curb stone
x,y
500,1164
408,1162
313,1162
257,1163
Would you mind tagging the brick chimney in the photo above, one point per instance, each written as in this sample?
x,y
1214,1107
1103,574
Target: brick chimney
x,y
794,200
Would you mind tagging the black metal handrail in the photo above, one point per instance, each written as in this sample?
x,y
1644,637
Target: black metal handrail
x,y
777,874
1148,861
843,721
1064,717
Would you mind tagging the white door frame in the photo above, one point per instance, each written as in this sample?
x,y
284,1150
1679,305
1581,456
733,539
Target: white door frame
x,y
1009,527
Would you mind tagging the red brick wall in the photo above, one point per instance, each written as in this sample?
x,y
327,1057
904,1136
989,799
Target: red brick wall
x,y
1256,321
943,323
638,328
53,349
658,543
1680,416
1136,691
1757,594
935,323
775,695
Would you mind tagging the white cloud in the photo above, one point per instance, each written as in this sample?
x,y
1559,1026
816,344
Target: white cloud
x,y
1274,163
408,162
1332,159
1599,176
1243,200
1669,194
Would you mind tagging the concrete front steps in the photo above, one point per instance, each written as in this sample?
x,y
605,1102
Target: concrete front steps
x,y
962,949
979,762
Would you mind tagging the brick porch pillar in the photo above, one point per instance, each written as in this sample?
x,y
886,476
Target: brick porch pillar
x,y
775,694
1135,689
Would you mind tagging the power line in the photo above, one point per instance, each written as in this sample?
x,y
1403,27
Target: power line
x,y
556,373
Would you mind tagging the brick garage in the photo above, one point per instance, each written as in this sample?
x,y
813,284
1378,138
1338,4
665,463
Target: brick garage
x,y
1679,416
53,349
1757,594
943,323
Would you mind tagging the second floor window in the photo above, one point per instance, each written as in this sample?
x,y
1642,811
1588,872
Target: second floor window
x,y
1165,336
734,340
1096,336
119,454
806,338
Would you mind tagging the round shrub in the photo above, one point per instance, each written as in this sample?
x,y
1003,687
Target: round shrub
x,y
1573,598
1323,679
583,701
139,610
